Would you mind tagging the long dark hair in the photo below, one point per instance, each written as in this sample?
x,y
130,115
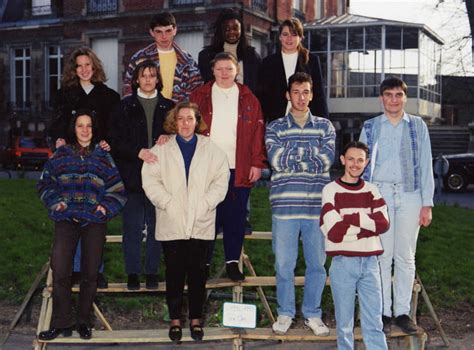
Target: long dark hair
x,y
218,40
296,27
71,138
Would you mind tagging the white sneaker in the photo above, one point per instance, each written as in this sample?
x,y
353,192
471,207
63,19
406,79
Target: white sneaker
x,y
282,324
317,326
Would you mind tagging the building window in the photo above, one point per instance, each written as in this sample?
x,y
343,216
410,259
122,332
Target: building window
x,y
21,78
41,7
186,2
319,6
298,5
101,6
53,69
192,41
260,5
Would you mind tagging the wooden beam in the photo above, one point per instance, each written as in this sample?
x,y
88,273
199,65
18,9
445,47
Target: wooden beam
x,y
143,336
265,235
210,334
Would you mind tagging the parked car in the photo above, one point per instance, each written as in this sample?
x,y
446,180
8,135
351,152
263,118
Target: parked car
x,y
26,153
460,173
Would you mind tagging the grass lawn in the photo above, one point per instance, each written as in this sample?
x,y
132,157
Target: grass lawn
x,y
444,258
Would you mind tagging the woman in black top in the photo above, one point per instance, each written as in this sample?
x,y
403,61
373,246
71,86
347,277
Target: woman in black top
x,y
274,77
82,87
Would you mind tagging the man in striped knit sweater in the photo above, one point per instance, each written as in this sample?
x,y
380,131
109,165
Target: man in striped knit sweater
x,y
353,216
300,150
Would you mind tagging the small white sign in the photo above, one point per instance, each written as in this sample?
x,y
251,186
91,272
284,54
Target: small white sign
x,y
238,315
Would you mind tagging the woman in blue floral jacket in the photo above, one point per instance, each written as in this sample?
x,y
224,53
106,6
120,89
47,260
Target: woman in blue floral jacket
x,y
82,189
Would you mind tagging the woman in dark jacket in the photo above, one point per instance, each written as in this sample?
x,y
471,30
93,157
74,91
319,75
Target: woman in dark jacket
x,y
278,67
228,37
82,87
135,126
81,187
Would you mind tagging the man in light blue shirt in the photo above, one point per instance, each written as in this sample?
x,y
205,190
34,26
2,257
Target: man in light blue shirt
x,y
401,166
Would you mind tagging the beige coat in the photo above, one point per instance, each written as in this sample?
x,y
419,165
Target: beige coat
x,y
186,211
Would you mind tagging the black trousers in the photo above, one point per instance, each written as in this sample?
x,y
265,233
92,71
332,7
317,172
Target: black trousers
x,y
185,260
66,235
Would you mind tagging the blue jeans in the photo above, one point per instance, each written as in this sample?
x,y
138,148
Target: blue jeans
x,y
285,237
362,275
399,245
138,212
77,260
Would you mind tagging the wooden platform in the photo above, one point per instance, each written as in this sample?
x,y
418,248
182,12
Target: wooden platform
x,y
210,334
234,335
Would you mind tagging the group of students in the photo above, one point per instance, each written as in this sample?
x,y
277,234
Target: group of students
x,y
178,156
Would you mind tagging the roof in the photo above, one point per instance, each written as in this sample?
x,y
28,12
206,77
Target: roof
x,y
350,20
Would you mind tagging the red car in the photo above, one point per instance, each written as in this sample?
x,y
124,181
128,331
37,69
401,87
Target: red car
x,y
26,152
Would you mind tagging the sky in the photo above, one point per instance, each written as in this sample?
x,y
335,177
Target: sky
x,y
447,18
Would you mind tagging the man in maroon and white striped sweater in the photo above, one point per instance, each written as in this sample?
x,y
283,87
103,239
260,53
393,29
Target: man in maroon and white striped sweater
x,y
353,216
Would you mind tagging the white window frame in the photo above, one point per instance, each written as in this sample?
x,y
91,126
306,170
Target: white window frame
x,y
24,78
47,74
41,7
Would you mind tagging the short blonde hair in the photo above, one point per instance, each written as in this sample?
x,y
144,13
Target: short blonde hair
x,y
170,122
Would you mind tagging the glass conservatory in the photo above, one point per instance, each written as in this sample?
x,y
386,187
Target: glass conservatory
x,y
358,52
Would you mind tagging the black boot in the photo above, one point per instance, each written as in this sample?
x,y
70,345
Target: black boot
x,y
133,282
233,272
53,333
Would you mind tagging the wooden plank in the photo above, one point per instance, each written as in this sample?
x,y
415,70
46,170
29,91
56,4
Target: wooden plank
x,y
303,334
101,317
260,292
25,302
210,334
250,281
144,336
265,235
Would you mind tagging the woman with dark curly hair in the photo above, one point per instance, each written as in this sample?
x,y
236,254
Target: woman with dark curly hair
x,y
229,36
82,86
82,190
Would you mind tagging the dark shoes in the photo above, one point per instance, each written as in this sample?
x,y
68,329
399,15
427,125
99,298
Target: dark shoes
x,y
387,321
133,282
233,272
197,333
53,333
84,331
175,333
151,281
102,281
406,324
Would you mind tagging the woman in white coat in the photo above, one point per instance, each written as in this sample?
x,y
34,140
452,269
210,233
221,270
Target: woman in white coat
x,y
185,185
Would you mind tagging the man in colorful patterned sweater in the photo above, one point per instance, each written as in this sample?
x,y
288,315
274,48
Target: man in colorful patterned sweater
x,y
178,69
353,215
300,150
401,167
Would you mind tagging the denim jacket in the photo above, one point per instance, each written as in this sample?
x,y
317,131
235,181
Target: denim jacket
x,y
416,159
